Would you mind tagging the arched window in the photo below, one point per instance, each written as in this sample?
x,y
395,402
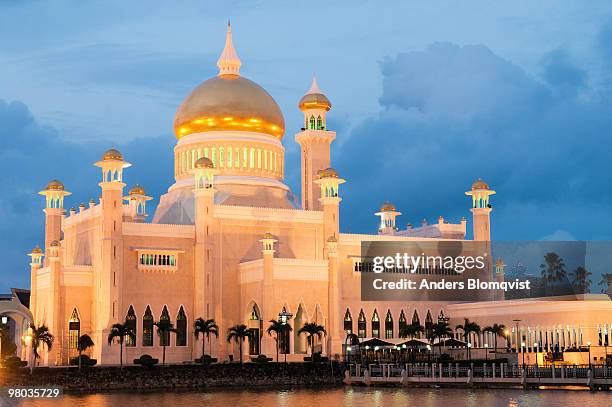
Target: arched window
x,y
74,329
181,328
319,123
130,321
389,325
147,328
402,321
348,322
375,325
428,324
361,325
312,123
164,338
254,314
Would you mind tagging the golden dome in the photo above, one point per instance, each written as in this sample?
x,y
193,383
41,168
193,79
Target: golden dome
x,y
332,239
328,173
204,162
36,250
55,243
387,207
314,101
229,102
136,190
480,184
112,154
268,235
54,185
500,263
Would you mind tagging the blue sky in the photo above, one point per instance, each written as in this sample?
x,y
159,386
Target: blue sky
x,y
427,97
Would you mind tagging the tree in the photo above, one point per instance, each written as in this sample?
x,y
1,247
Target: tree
x,y
440,330
468,327
496,330
238,333
85,342
164,327
605,282
312,329
206,328
40,336
278,328
411,331
581,280
120,332
553,270
8,346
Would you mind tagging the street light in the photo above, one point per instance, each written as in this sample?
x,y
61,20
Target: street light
x,y
28,340
523,352
589,345
284,316
3,321
535,349
486,345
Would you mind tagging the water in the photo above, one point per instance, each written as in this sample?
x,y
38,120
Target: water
x,y
348,396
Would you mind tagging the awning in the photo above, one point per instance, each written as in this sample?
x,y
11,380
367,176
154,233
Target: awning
x,y
413,343
451,342
373,342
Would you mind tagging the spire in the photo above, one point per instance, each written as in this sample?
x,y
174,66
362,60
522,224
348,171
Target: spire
x,y
314,87
229,62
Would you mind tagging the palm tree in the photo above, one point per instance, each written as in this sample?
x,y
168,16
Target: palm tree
x,y
120,331
279,328
83,344
581,280
605,282
411,331
554,269
164,327
440,330
206,328
238,333
468,327
496,330
40,336
312,329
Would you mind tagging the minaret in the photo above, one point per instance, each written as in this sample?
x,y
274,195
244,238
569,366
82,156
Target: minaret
x,y
54,194
267,251
329,182
315,142
229,62
206,305
387,215
52,314
110,272
137,202
334,329
36,263
481,209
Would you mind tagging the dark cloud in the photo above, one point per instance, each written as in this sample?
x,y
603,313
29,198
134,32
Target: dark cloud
x,y
562,74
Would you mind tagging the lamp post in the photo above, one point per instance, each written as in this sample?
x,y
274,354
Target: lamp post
x,y
3,322
523,352
284,316
428,353
507,335
27,338
486,345
589,345
535,349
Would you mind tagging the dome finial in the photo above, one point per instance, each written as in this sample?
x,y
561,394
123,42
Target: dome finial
x,y
229,62
314,87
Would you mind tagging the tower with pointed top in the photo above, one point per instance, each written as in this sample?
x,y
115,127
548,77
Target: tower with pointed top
x,y
387,214
481,209
229,62
315,143
54,194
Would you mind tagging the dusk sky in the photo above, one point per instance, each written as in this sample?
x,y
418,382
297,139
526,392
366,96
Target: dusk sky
x,y
427,97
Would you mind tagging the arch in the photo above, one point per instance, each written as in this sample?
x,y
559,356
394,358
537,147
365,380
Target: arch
x,y
388,325
319,123
348,322
362,325
254,323
402,321
428,324
312,123
375,324
164,338
181,328
130,321
299,320
147,327
415,318
74,329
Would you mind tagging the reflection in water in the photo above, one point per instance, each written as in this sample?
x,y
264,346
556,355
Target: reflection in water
x,y
348,396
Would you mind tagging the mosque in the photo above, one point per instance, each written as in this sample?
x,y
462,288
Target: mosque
x,y
230,241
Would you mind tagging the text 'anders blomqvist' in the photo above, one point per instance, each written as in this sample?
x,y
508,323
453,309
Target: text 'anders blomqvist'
x,y
472,284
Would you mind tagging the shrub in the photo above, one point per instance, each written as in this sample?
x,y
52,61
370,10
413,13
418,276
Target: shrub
x,y
14,363
85,361
206,360
146,361
261,359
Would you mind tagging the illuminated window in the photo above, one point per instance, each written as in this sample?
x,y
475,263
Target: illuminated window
x,y
214,157
252,159
402,321
375,325
74,330
389,325
259,158
319,123
244,157
348,322
312,123
181,328
237,158
164,338
254,314
221,157
130,321
361,325
229,157
415,318
147,328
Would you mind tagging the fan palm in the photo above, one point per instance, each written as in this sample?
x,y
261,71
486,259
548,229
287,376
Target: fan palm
x,y
120,332
85,342
468,327
581,280
496,330
164,327
411,331
278,328
40,336
206,327
605,282
554,269
439,330
238,333
312,329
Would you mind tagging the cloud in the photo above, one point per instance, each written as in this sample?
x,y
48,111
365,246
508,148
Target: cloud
x,y
451,114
